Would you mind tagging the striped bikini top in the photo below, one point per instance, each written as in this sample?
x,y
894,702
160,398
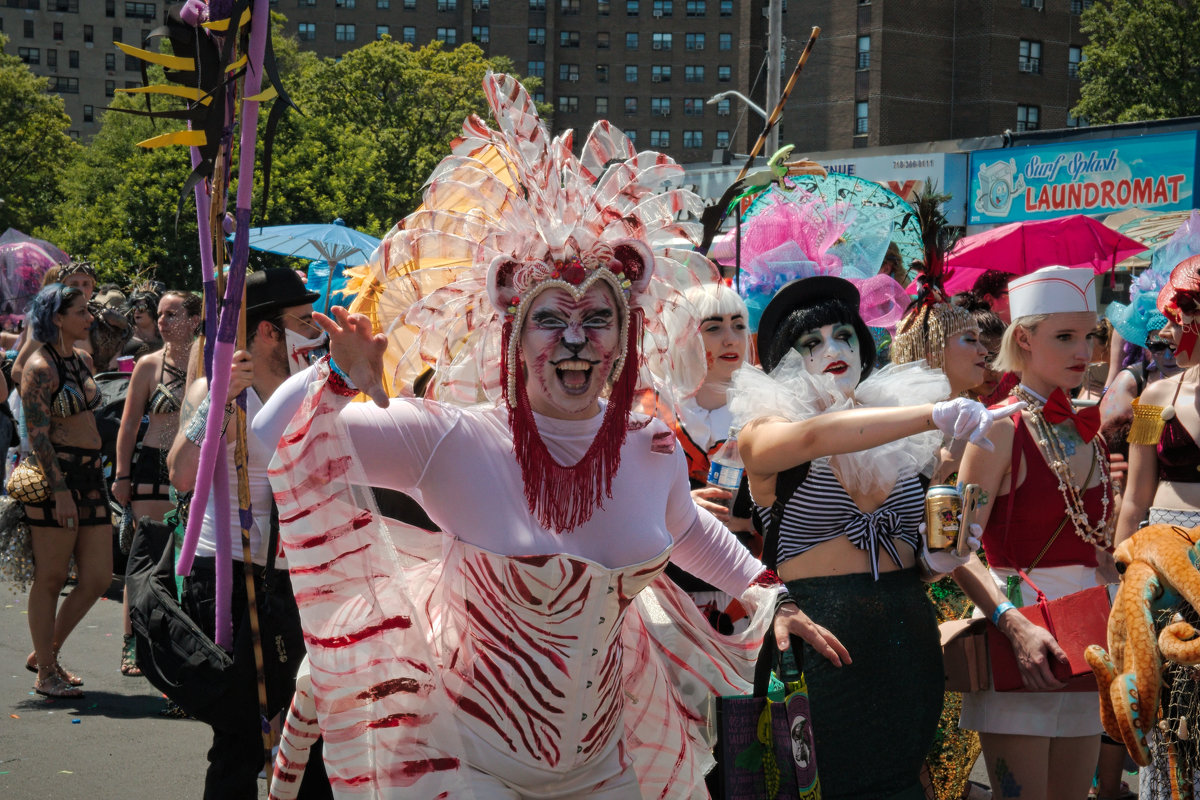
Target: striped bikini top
x,y
169,392
77,391
820,510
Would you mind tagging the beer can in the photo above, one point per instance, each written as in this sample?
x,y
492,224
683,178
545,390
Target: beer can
x,y
943,509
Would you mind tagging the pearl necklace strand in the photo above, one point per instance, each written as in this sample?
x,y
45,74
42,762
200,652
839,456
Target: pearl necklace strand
x,y
1051,445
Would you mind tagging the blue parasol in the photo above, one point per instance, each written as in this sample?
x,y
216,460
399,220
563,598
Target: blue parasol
x,y
333,243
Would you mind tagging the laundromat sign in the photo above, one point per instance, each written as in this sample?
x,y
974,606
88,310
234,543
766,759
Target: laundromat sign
x,y
1096,176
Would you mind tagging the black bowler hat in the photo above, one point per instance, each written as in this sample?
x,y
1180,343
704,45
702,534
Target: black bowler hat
x,y
276,289
806,293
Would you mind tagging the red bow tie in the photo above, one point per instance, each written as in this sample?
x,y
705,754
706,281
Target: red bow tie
x,y
1059,409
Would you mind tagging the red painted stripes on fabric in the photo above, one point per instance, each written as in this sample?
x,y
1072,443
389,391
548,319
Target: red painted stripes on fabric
x,y
397,622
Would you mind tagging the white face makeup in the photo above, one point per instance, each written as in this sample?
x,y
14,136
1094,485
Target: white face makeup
x,y
726,337
569,348
832,349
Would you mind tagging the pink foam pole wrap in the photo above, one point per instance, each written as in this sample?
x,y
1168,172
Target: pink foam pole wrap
x,y
227,325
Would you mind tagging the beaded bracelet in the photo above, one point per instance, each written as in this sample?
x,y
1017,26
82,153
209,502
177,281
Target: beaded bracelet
x,y
339,381
1000,610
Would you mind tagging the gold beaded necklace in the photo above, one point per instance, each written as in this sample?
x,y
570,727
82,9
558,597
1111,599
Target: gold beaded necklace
x,y
1052,448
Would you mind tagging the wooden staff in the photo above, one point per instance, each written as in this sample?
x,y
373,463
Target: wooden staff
x,y
777,112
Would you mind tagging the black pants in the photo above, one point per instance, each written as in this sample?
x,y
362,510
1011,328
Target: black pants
x,y
236,755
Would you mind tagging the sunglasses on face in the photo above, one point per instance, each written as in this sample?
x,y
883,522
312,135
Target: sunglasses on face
x,y
1157,347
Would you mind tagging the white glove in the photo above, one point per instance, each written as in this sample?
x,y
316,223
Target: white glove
x,y
961,418
942,562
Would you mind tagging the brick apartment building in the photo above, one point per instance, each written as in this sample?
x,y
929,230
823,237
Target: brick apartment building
x,y
884,72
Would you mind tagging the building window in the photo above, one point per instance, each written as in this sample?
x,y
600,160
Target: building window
x,y
1076,122
631,134
51,57
64,85
447,5
1032,3
693,73
89,114
73,59
132,64
480,34
1075,57
344,3
307,3
110,88
568,103
537,35
860,118
663,8
726,8
110,8
660,73
631,41
603,8
695,8
660,139
89,34
631,75
343,32
632,7
724,73
864,52
118,34
536,69
660,41
110,62
1079,6
28,29
603,40
602,73
570,7
630,106
693,106
693,41
722,139
1030,59
447,35
1027,118
410,5
539,96
408,34
724,41
723,107
382,31
140,10
30,55
58,32
69,6
693,139
660,106
383,5
568,72
568,38
601,105
537,5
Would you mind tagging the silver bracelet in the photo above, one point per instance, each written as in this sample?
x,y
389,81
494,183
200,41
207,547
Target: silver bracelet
x,y
198,424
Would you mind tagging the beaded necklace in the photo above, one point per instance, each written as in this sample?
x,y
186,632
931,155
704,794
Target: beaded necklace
x,y
1051,445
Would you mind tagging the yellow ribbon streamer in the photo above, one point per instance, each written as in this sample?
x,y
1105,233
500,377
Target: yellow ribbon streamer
x,y
186,92
188,138
170,62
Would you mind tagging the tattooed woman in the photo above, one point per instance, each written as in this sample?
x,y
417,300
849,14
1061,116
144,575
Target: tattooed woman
x,y
59,396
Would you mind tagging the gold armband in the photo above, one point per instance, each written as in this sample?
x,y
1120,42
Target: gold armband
x,y
1148,423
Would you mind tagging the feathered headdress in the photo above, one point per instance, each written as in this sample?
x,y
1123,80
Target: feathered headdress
x,y
931,318
508,214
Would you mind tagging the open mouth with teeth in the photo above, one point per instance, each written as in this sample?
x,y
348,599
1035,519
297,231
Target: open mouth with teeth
x,y
575,375
837,368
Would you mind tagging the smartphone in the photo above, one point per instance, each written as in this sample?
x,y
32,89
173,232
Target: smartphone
x,y
970,506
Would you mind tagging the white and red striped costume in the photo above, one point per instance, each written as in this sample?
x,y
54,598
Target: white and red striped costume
x,y
447,664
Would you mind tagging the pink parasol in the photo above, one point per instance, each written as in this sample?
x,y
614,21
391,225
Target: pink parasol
x,y
23,262
1022,247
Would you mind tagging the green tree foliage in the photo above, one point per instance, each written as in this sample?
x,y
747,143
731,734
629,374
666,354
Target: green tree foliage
x,y
371,129
34,145
1142,60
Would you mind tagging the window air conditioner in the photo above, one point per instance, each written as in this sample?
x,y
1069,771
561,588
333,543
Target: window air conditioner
x,y
656,79
656,46
722,112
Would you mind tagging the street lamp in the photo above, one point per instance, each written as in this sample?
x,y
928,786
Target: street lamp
x,y
719,96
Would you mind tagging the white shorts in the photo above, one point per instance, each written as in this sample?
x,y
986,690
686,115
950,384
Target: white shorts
x,y
1054,714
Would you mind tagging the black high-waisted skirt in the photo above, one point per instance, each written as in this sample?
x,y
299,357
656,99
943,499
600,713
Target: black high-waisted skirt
x,y
874,719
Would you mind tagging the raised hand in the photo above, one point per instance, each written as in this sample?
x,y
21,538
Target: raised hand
x,y
357,351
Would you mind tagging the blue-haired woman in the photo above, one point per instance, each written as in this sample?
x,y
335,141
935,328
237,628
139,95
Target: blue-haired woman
x,y
59,396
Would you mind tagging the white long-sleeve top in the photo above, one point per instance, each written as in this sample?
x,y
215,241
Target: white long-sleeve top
x,y
460,463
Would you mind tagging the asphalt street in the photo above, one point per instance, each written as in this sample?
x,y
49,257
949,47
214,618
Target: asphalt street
x,y
111,744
